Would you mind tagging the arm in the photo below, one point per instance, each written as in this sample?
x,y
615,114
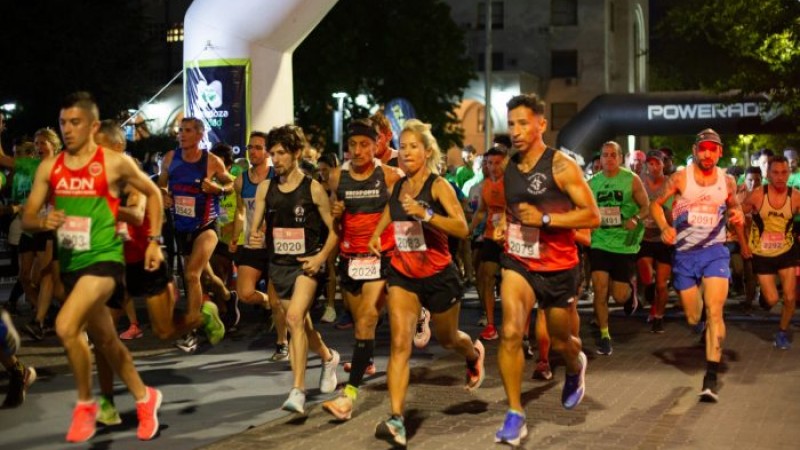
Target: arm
x,y
674,183
454,224
337,206
735,214
375,240
583,237
217,171
31,222
238,219
640,196
130,173
163,177
312,264
478,216
258,214
5,160
133,212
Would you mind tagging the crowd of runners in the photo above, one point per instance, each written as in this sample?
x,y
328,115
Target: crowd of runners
x,y
399,233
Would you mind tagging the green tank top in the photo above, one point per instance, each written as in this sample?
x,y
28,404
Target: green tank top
x,y
24,172
615,199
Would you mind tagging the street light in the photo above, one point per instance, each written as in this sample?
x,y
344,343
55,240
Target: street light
x,y
338,122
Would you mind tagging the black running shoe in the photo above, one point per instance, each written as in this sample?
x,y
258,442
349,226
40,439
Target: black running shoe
x,y
35,330
658,326
709,392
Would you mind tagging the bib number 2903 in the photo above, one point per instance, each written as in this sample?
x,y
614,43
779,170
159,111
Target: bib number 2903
x,y
408,236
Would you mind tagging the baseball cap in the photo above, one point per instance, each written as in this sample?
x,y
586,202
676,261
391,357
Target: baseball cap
x,y
655,154
708,135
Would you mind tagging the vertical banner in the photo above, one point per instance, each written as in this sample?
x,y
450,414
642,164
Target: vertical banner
x,y
218,92
398,110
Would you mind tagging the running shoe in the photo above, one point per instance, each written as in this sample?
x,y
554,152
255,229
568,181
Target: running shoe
x,y
147,412
329,316
489,333
483,321
296,402
782,340
575,385
513,431
35,330
327,377
605,347
344,321
107,413
709,392
700,327
369,371
281,353
20,379
83,426
9,338
392,430
133,332
341,407
526,348
188,343
657,326
423,333
542,371
477,371
212,324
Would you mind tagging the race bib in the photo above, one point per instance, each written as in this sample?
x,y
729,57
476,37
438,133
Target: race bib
x,y
364,268
75,234
523,241
122,231
610,216
184,206
289,241
772,240
408,236
703,216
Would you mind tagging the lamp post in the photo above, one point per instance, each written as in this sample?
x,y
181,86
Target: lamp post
x,y
338,122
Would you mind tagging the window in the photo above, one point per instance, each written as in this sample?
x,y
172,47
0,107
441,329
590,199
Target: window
x,y
498,61
498,14
175,33
561,113
564,64
564,12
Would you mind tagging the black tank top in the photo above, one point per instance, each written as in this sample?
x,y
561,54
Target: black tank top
x,y
294,225
365,196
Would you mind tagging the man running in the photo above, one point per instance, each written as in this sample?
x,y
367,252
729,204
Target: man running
x,y
83,185
772,243
296,209
703,194
360,190
546,200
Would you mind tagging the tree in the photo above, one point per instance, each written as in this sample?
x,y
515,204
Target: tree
x,y
384,49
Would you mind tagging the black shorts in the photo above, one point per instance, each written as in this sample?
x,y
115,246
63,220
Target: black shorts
x,y
34,243
491,251
142,283
659,251
437,293
283,278
476,244
551,289
770,265
620,267
222,250
185,241
257,258
354,286
109,269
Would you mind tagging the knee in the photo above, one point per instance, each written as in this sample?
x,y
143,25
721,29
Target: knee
x,y
365,324
511,334
296,322
193,277
401,345
65,330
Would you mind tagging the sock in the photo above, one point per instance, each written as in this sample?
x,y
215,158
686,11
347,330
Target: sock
x,y
604,333
544,349
146,396
108,397
712,368
514,411
362,354
351,391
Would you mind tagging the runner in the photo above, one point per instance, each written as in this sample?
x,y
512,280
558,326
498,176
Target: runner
x,y
424,211
546,200
771,242
703,195
296,210
83,185
360,192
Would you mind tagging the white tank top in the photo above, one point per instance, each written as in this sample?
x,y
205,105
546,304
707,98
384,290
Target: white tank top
x,y
699,213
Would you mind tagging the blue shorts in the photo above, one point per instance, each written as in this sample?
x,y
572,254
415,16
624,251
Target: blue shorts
x,y
690,267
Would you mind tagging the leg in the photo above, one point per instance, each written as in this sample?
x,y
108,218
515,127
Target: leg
x,y
404,309
692,304
215,284
26,277
518,300
278,315
560,326
715,292
788,281
621,291
450,337
487,272
246,282
663,272
600,284
101,329
542,335
296,316
161,309
196,263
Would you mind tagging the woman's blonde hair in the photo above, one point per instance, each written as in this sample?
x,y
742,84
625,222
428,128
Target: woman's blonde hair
x,y
51,137
423,132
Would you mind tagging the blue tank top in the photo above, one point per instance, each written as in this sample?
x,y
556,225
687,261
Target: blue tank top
x,y
191,207
249,198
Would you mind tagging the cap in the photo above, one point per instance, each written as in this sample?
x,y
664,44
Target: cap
x,y
655,154
357,128
708,135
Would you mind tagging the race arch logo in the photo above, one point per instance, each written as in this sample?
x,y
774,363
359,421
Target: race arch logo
x,y
209,95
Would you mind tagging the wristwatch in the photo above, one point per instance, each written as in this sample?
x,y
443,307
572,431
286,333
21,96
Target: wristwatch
x,y
428,215
545,220
159,239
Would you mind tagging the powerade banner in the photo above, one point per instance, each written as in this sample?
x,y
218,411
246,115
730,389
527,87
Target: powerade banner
x,y
218,91
398,110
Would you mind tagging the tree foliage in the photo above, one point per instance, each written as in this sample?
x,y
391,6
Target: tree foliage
x,y
52,48
383,49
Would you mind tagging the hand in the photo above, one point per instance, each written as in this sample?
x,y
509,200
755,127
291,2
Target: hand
x,y
375,245
337,209
668,235
166,198
530,215
311,264
413,208
746,252
209,187
233,246
631,223
53,220
736,216
153,256
499,234
256,239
